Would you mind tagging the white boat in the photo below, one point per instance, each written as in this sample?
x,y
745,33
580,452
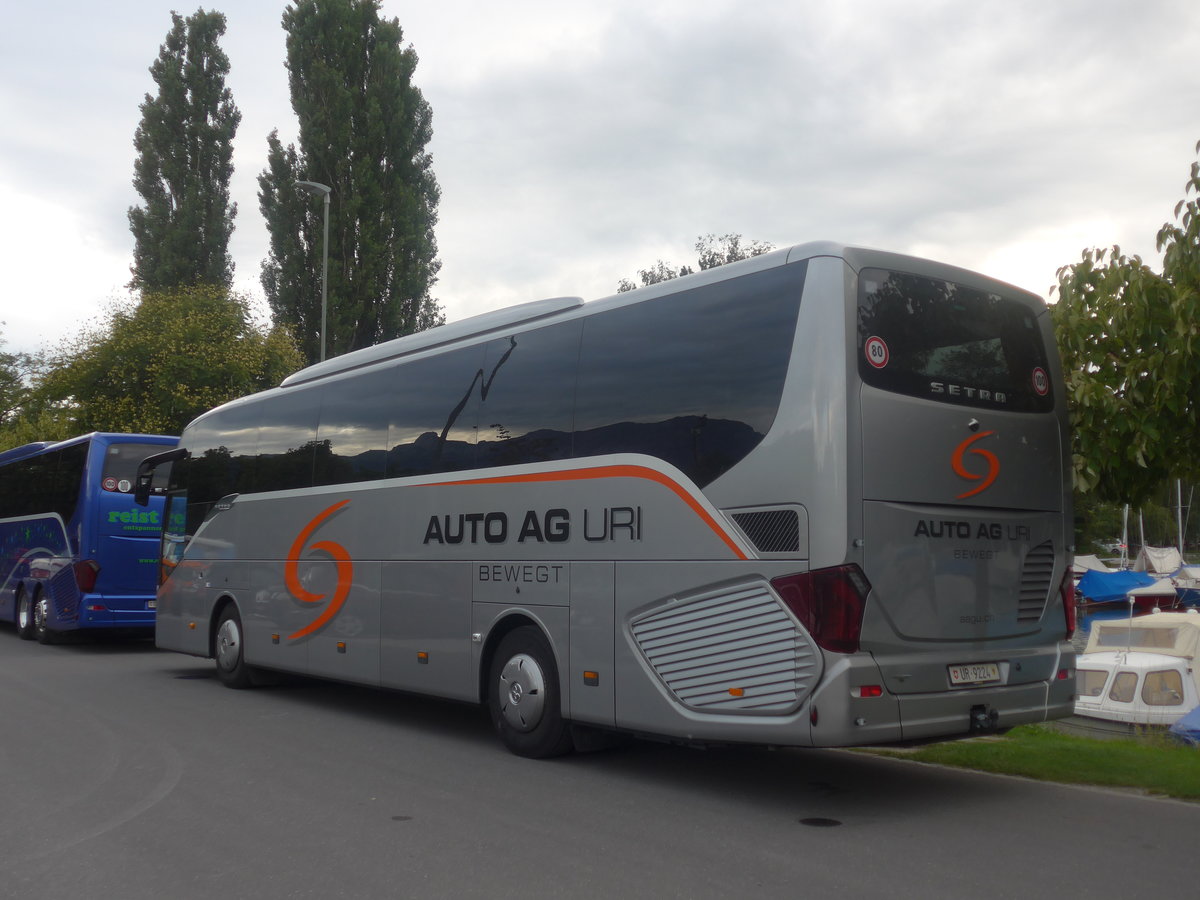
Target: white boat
x,y
1140,670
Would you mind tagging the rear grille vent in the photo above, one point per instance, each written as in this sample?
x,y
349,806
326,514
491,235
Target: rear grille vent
x,y
1035,582
735,650
771,531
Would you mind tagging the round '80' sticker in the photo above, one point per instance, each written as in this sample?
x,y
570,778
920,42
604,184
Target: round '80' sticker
x,y
877,352
1041,382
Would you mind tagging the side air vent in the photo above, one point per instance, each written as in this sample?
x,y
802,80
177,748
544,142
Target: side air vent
x,y
772,530
733,650
1035,582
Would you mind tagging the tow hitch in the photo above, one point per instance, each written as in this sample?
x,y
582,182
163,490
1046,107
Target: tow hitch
x,y
984,719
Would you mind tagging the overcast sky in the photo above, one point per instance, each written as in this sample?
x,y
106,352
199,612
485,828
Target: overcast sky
x,y
578,142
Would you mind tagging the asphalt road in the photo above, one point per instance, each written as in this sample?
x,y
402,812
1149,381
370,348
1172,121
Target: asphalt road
x,y
126,772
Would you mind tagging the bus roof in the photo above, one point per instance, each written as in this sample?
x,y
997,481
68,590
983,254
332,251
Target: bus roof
x,y
39,447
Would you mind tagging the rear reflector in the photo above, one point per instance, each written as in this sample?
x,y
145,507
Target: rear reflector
x,y
829,604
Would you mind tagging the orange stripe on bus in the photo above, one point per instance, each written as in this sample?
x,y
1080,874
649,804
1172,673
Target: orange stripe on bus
x,y
624,471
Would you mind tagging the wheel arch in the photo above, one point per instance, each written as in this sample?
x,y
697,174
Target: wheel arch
x,y
219,607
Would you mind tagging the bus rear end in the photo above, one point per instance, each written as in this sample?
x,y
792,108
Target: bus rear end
x,y
118,574
965,504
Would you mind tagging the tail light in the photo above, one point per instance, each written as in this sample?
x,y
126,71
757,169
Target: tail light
x,y
829,604
1067,590
86,571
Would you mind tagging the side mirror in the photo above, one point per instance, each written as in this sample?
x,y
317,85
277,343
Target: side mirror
x,y
143,481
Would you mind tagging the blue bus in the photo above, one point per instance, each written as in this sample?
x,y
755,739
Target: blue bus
x,y
75,551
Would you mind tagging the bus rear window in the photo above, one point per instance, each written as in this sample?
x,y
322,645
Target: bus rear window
x,y
121,464
945,341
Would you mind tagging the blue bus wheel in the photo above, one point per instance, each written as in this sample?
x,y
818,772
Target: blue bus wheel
x,y
41,621
24,616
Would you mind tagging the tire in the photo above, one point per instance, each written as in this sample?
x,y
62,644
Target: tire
x,y
227,650
41,621
523,696
24,619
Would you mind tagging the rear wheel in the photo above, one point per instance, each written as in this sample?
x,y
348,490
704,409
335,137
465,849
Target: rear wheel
x,y
41,621
231,663
523,696
24,616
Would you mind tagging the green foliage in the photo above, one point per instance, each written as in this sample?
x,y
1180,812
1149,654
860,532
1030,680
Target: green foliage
x,y
364,127
14,371
153,366
1128,337
713,251
185,159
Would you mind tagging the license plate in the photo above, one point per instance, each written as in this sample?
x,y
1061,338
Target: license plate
x,y
151,604
975,673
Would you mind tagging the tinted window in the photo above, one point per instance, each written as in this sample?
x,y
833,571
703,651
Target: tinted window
x,y
121,462
46,483
528,396
222,450
352,440
936,339
287,430
434,414
692,378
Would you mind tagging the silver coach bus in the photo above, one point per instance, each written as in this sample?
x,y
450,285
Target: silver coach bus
x,y
819,497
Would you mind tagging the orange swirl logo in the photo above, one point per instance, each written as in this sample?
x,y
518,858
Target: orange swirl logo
x,y
957,462
345,572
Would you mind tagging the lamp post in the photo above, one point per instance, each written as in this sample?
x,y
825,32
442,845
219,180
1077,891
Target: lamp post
x,y
321,190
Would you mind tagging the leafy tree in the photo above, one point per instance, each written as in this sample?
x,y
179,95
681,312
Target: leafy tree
x,y
364,127
713,251
155,365
185,159
15,369
1130,344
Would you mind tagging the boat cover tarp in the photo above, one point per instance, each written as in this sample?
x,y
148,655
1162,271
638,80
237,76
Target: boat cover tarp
x,y
1101,587
1168,633
1160,560
1088,563
1187,729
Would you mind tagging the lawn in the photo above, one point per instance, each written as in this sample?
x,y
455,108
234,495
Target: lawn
x,y
1156,764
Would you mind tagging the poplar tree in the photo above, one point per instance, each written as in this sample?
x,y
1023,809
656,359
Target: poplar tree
x,y
184,162
363,130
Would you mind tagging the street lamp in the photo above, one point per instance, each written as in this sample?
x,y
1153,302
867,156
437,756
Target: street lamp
x,y
321,190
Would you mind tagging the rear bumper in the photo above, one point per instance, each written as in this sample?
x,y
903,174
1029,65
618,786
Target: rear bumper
x,y
125,611
843,722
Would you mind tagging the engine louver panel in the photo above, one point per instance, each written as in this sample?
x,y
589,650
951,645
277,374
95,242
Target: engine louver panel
x,y
771,531
732,651
1036,578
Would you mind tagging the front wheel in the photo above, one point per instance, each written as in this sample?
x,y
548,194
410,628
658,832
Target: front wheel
x,y
523,696
231,663
24,616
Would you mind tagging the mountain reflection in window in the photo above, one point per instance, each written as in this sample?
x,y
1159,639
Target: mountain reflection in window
x,y
951,342
694,379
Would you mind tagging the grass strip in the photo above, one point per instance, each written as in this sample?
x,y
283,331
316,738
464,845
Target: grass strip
x,y
1156,764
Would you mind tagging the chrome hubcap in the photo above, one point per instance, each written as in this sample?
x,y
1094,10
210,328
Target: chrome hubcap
x,y
229,643
522,690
